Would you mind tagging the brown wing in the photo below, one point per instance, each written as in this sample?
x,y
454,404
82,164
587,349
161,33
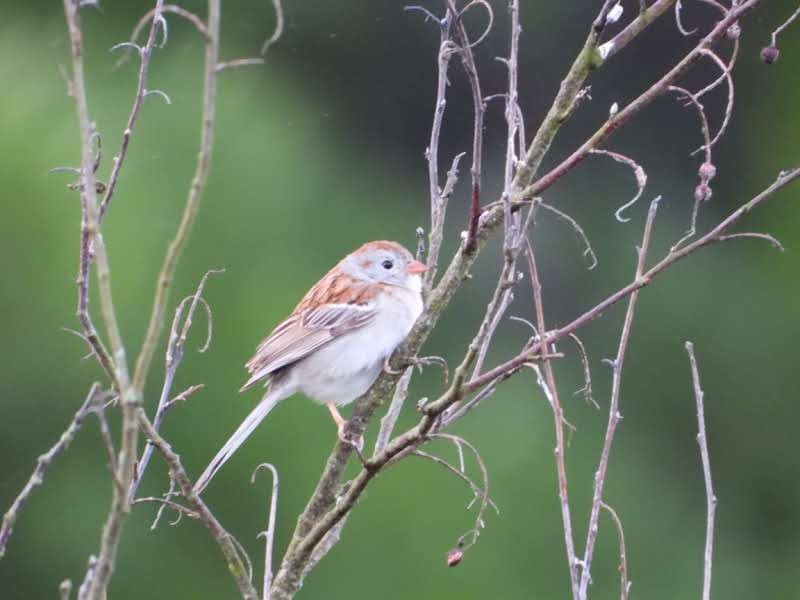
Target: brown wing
x,y
314,323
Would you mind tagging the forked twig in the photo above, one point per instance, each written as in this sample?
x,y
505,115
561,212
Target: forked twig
x,y
174,354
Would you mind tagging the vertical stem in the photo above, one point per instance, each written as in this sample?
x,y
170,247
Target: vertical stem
x,y
613,409
558,415
165,277
92,242
711,499
438,200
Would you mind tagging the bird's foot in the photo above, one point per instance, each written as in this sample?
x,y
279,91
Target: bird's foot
x,y
419,362
348,435
387,368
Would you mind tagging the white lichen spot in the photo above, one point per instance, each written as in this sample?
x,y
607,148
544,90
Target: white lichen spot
x,y
605,49
614,14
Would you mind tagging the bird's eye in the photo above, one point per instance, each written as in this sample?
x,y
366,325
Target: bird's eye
x,y
387,264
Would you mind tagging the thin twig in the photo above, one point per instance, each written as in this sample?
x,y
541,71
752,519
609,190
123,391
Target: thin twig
x,y
588,252
467,540
468,61
225,541
167,273
784,25
438,198
91,567
145,54
278,31
613,409
625,114
164,502
269,534
548,384
238,63
586,390
515,129
624,583
43,464
390,418
751,234
93,246
173,356
638,172
711,499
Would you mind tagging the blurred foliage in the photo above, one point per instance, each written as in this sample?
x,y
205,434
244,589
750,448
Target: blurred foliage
x,y
321,150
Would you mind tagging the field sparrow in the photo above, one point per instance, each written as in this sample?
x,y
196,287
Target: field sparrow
x,y
336,341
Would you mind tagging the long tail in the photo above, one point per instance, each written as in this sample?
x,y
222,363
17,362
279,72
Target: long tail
x,y
262,409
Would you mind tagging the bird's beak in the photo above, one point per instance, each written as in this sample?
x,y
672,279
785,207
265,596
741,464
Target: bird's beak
x,y
415,268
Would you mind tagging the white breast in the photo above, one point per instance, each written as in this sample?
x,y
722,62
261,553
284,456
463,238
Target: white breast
x,y
344,369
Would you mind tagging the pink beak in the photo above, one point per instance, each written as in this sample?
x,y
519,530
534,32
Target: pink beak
x,y
415,268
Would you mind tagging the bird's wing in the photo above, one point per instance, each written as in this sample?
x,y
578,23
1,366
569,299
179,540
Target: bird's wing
x,y
302,333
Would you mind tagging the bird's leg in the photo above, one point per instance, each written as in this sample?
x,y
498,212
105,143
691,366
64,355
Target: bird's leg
x,y
341,428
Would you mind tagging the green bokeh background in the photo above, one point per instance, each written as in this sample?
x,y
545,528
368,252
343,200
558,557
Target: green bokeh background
x,y
321,150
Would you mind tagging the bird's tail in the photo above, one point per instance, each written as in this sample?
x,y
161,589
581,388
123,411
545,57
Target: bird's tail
x,y
268,402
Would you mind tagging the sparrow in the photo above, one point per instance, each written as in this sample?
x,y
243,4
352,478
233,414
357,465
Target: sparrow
x,y
337,340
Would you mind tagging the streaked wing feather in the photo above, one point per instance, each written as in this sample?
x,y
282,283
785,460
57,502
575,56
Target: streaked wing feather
x,y
302,333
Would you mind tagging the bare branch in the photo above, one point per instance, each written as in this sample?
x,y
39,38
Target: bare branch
x,y
507,299
43,464
784,25
65,589
711,499
590,57
750,234
588,251
88,578
620,118
224,540
92,247
269,534
624,583
476,489
239,62
613,409
729,107
455,412
173,356
586,390
548,385
466,541
196,21
675,255
179,508
468,61
679,23
438,196
165,277
278,31
390,418
145,54
638,172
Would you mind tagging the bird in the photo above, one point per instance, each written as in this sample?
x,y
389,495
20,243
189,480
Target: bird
x,y
336,341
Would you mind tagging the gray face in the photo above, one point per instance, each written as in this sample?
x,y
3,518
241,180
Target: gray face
x,y
381,265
